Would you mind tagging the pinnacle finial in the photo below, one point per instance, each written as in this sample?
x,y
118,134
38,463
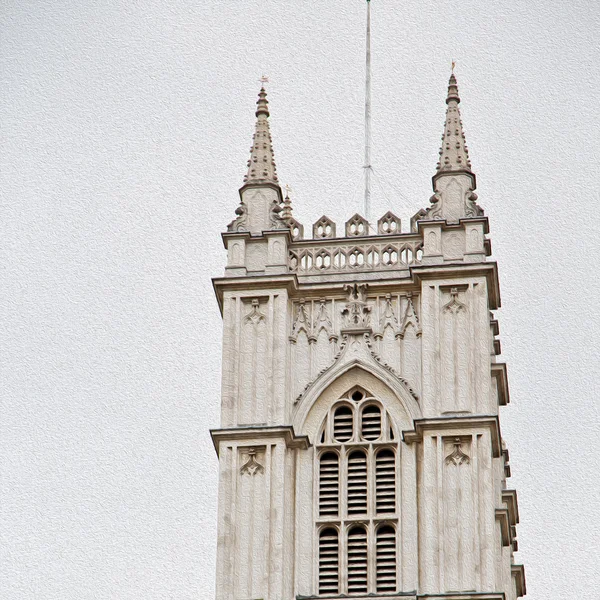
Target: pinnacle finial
x,y
261,166
286,213
454,154
452,88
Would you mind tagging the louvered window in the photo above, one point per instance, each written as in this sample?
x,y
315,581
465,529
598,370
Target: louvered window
x,y
357,560
371,423
357,483
329,561
343,424
329,485
385,481
357,514
386,559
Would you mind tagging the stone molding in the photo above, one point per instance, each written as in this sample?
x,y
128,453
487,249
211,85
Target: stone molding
x,y
259,432
518,574
414,596
501,377
489,422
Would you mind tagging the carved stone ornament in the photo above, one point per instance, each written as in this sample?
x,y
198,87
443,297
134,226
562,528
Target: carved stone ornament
x,y
357,226
410,318
240,222
301,322
388,317
457,456
356,313
277,222
255,316
389,224
322,320
251,466
455,305
355,346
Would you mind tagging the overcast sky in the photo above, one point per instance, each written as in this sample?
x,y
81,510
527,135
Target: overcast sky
x,y
125,129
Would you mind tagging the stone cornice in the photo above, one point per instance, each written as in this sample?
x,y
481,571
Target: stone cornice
x,y
259,432
518,573
415,596
459,225
228,235
509,497
489,422
253,283
462,270
501,377
503,518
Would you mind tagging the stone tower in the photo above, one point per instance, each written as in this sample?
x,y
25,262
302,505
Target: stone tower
x,y
360,451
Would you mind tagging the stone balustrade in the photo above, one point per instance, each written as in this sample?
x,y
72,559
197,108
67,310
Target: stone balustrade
x,y
358,254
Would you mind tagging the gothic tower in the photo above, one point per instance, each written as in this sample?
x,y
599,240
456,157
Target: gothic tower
x,y
360,451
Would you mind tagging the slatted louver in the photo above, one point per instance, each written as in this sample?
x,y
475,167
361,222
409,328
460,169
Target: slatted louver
x,y
371,423
385,481
329,561
357,483
329,485
343,424
357,560
386,559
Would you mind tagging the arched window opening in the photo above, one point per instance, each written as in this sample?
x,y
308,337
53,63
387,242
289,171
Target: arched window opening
x,y
329,485
385,481
329,562
371,423
357,483
343,422
357,560
386,559
357,452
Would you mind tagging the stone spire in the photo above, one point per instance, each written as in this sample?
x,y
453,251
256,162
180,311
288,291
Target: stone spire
x,y
454,182
261,166
260,195
454,154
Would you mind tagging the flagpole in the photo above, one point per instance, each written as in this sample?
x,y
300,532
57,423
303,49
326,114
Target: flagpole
x,y
367,166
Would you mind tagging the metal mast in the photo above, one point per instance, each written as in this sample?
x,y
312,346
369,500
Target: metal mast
x,y
367,167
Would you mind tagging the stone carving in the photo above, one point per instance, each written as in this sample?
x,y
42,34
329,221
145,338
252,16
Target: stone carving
x,y
241,221
277,222
410,318
344,257
357,226
322,320
365,338
324,228
251,466
389,224
457,456
356,313
388,317
472,208
255,316
301,322
455,305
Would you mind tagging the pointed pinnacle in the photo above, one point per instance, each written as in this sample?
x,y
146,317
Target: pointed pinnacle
x,y
261,166
452,90
454,155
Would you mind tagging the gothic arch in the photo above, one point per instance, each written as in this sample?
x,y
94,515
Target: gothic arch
x,y
332,384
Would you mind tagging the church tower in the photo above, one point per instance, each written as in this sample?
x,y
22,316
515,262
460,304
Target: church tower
x,y
360,451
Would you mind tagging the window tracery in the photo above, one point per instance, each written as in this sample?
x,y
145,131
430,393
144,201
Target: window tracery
x,y
357,512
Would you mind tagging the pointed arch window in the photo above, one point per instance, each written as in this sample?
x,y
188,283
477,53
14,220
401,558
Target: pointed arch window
x,y
357,504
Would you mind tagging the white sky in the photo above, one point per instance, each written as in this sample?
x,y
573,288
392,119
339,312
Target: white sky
x,y
125,129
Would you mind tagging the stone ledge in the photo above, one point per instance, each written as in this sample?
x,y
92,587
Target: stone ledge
x,y
445,423
413,596
259,433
